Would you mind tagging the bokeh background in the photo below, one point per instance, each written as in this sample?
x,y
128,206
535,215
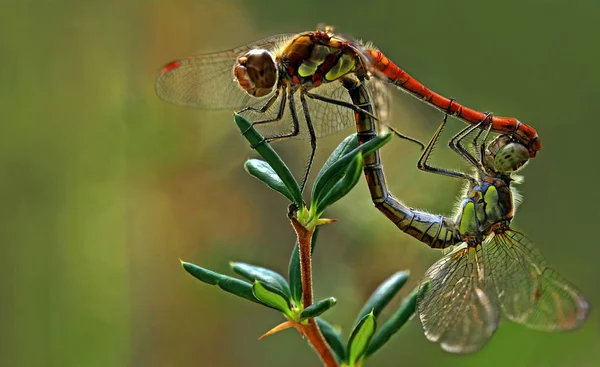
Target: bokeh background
x,y
104,186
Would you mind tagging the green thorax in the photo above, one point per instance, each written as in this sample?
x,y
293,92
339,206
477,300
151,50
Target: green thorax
x,y
487,207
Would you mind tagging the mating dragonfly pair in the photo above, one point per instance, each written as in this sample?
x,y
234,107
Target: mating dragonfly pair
x,y
333,82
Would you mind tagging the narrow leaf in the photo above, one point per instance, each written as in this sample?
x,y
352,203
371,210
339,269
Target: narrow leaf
x,y
294,273
266,151
238,287
261,170
267,276
349,144
317,309
343,186
333,339
204,275
271,297
384,294
331,174
227,283
394,324
360,338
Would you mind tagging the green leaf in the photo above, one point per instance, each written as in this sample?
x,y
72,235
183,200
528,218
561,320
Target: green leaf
x,y
360,338
272,297
226,283
394,324
343,186
384,294
294,273
317,309
330,173
261,170
263,148
267,276
333,339
349,144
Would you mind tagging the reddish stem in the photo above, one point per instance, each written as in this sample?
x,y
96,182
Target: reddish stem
x,y
311,330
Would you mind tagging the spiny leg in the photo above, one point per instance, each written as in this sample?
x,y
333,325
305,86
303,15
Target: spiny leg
x,y
360,109
265,107
456,142
270,102
423,166
313,137
296,126
406,137
475,145
459,149
483,144
349,105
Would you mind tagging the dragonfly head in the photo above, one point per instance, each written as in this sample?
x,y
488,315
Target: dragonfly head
x,y
504,155
256,72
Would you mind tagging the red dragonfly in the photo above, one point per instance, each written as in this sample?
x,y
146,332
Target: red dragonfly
x,y
308,72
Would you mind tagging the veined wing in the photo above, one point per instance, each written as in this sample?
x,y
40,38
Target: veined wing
x,y
326,118
455,308
207,81
528,290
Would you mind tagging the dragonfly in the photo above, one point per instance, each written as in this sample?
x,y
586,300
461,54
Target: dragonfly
x,y
279,79
493,270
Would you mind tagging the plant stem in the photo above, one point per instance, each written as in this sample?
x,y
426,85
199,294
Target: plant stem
x,y
311,330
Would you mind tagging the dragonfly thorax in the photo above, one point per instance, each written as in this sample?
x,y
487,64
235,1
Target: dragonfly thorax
x,y
256,72
487,207
318,57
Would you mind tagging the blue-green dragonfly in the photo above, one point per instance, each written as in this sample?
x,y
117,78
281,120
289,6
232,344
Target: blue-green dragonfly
x,y
493,269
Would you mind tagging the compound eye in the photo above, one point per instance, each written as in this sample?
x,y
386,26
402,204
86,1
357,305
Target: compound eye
x,y
261,68
510,157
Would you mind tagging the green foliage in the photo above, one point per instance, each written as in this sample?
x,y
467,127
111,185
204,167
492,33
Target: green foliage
x,y
317,308
282,174
384,294
360,338
266,276
391,326
337,177
333,339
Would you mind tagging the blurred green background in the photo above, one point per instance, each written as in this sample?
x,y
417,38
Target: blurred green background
x,y
104,186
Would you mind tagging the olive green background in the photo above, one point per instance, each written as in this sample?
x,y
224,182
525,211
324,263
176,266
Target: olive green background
x,y
104,186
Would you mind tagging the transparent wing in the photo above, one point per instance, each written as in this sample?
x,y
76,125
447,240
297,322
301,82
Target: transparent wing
x,y
207,81
455,308
326,118
529,292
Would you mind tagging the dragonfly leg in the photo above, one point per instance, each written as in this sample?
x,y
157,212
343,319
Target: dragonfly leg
x,y
313,137
423,166
475,146
456,142
265,107
483,144
349,105
406,137
359,109
296,128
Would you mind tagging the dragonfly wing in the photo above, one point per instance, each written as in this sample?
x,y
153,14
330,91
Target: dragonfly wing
x,y
454,307
326,118
207,81
530,292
